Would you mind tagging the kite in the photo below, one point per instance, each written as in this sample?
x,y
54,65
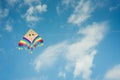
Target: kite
x,y
30,41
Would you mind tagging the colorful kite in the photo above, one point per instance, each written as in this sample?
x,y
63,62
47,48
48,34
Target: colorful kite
x,y
30,40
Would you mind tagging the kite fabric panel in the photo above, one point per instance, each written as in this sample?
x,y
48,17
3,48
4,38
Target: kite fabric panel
x,y
30,40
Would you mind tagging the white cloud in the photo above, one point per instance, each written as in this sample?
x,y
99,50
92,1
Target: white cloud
x,y
8,28
33,13
41,8
62,74
69,3
12,2
79,55
65,5
30,18
83,66
49,56
4,13
81,13
58,10
114,7
66,1
113,74
30,2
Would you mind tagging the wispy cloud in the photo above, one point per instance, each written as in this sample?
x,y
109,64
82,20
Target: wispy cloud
x,y
30,2
12,2
62,74
82,12
65,5
113,74
34,12
68,3
58,10
4,13
79,55
49,56
114,7
8,28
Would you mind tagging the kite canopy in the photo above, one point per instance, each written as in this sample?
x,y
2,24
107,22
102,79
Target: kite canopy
x,y
30,40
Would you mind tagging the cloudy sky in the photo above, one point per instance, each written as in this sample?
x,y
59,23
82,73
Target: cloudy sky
x,y
81,39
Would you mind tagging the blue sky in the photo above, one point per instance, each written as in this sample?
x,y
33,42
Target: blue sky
x,y
81,39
